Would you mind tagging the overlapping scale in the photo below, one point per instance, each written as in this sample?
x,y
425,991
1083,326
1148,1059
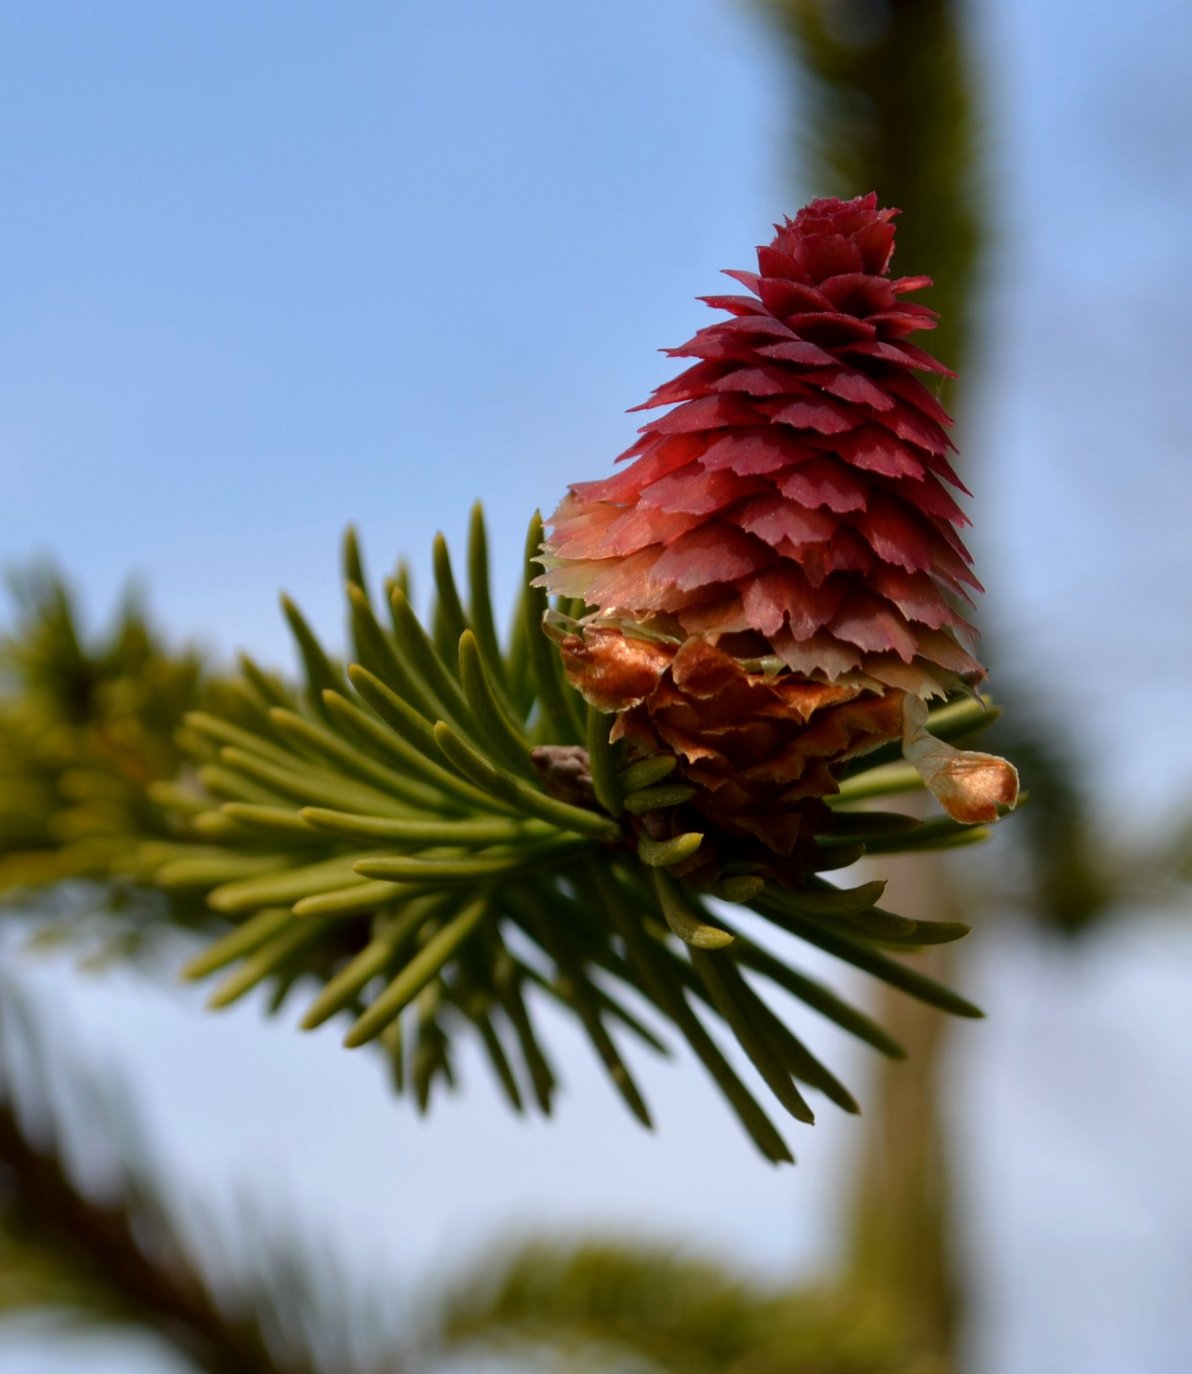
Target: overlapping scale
x,y
794,499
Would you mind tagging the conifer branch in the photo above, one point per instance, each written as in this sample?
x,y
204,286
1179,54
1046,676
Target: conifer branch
x,y
435,838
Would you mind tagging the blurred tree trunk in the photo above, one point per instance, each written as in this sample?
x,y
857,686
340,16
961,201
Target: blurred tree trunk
x,y
882,101
903,1246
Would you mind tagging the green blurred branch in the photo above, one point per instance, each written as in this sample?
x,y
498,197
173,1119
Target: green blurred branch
x,y
598,1307
87,725
111,1251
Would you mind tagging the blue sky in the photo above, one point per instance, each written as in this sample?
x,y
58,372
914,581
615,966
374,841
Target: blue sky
x,y
278,266
282,266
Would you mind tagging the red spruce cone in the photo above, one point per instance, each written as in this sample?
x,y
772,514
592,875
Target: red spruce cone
x,y
791,515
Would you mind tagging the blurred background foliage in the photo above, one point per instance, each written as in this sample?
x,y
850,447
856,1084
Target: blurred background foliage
x,y
882,96
89,1233
87,725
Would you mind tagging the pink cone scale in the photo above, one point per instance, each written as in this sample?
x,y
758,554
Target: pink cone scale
x,y
795,499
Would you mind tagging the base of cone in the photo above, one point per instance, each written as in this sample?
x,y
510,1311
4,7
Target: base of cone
x,y
756,751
